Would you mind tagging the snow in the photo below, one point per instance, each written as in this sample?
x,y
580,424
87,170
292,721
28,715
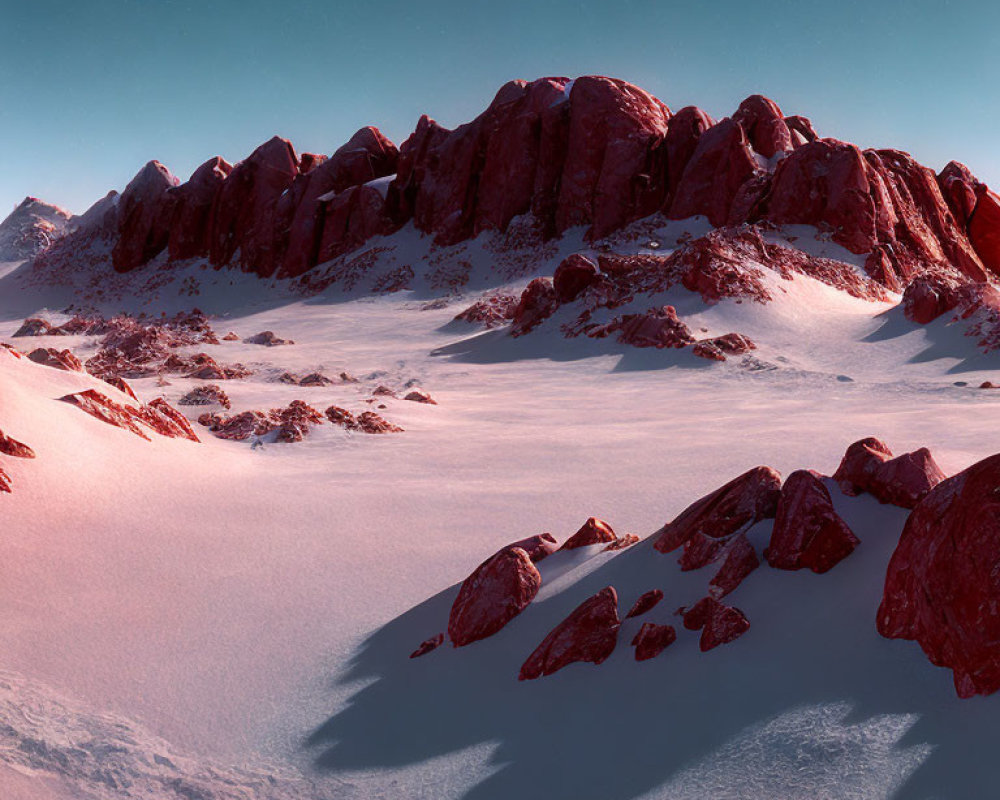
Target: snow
x,y
257,607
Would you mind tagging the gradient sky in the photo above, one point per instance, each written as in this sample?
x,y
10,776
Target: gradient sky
x,y
92,89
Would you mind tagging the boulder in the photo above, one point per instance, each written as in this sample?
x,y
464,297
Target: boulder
x,y
765,126
206,395
538,302
34,326
929,295
960,189
267,339
588,634
743,501
574,274
653,639
808,533
342,417
647,602
420,396
868,466
717,348
370,422
941,588
700,551
537,547
497,591
593,531
683,133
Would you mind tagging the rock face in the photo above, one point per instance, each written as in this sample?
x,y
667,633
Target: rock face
x,y
574,274
941,588
808,533
984,229
143,217
930,295
743,501
496,592
653,639
739,559
191,209
593,531
868,466
588,634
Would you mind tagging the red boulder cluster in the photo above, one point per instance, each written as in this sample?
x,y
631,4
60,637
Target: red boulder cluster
x,y
206,395
292,423
718,623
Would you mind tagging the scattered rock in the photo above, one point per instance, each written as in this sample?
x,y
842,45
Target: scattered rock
x,y
718,348
37,327
206,395
593,531
267,339
50,357
719,624
420,396
427,645
14,448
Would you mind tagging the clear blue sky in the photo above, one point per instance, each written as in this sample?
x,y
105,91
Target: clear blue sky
x,y
92,89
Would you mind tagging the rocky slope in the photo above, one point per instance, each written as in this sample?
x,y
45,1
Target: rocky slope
x,y
31,228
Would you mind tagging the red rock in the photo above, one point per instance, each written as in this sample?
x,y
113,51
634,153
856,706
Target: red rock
x,y
593,531
653,639
427,645
491,310
697,616
538,302
230,337
743,501
370,422
244,215
959,188
657,327
383,391
868,466
4,481
801,129
739,559
192,202
764,125
14,448
721,163
143,217
574,274
37,327
420,396
496,592
647,602
683,132
941,588
9,348
293,421
699,551
241,426
621,543
107,410
929,295
614,156
315,379
342,417
121,385
537,547
719,347
267,339
206,395
808,532
589,634
984,229
50,357
367,156
723,626
167,420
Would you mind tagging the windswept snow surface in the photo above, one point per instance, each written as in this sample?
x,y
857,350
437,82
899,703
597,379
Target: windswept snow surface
x,y
232,609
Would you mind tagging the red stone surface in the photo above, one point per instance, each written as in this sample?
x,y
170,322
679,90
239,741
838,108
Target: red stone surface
x,y
497,591
593,531
868,466
427,645
653,639
941,588
747,499
589,633
12,447
808,533
738,559
647,602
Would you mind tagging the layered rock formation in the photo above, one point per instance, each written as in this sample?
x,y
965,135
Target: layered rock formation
x,y
594,152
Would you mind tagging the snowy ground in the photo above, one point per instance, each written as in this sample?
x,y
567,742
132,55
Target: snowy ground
x,y
257,608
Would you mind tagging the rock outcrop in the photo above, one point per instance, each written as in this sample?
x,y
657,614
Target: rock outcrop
x,y
869,466
941,587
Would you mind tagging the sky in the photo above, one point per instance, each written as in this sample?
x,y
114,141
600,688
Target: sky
x,y
90,91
